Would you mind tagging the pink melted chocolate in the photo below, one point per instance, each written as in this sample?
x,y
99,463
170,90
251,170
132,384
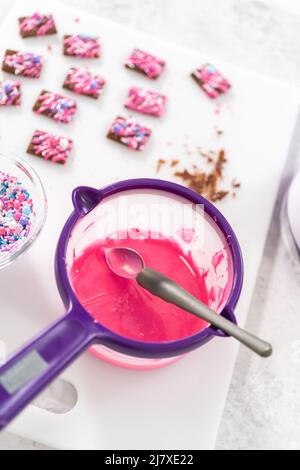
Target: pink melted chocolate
x,y
126,308
41,23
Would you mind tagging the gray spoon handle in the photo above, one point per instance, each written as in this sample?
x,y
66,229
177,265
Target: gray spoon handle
x,y
166,289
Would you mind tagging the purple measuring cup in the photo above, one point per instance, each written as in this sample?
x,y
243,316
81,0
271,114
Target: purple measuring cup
x,y
31,369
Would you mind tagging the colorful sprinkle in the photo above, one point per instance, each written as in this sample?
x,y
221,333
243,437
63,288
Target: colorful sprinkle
x,y
146,102
37,25
145,63
10,94
82,46
16,210
50,147
211,81
82,82
23,64
55,106
129,132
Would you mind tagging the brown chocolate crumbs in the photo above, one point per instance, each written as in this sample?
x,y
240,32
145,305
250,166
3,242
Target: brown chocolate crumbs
x,y
207,184
160,163
235,184
174,163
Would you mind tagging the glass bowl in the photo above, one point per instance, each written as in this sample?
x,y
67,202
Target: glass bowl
x,y
11,164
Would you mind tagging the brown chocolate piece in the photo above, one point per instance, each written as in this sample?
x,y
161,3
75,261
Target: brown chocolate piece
x,y
33,32
207,184
55,106
65,48
6,68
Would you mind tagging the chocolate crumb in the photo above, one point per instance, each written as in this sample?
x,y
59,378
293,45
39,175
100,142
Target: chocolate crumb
x,y
160,163
204,183
174,163
235,184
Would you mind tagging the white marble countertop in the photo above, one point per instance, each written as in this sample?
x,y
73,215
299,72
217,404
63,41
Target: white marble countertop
x,y
263,406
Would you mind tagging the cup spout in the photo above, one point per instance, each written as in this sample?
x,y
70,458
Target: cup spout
x,y
85,199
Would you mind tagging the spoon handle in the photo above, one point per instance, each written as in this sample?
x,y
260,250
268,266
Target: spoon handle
x,y
168,290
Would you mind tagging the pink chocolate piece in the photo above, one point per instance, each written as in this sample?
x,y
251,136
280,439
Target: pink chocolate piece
x,y
146,63
50,147
211,81
82,82
10,94
129,132
146,102
37,25
23,64
82,46
55,106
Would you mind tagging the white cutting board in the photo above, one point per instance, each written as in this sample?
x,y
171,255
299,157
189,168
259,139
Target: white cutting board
x,y
179,406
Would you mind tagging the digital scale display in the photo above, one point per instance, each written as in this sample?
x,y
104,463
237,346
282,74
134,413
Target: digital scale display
x,y
27,369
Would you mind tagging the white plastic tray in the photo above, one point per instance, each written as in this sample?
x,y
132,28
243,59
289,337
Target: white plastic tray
x,y
180,406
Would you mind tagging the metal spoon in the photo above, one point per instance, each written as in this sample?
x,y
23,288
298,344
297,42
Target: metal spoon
x,y
129,264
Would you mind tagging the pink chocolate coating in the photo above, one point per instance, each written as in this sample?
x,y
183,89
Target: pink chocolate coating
x,y
147,63
24,64
130,133
10,94
146,102
211,81
55,106
82,82
51,147
41,23
82,46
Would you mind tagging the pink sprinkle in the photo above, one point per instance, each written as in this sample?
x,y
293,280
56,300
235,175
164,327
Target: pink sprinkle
x,y
146,102
55,106
211,81
82,46
38,24
49,48
146,63
10,94
82,82
23,64
129,132
50,147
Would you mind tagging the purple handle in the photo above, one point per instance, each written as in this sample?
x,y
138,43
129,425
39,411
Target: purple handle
x,y
31,369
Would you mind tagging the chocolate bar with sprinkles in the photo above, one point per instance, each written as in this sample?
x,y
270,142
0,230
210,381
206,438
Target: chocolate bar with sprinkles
x,y
128,132
146,102
145,63
211,81
82,82
50,147
37,25
82,46
22,64
10,93
55,106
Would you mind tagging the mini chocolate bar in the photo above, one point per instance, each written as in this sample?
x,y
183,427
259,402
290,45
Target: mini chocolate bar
x,y
22,64
55,106
82,46
211,81
82,82
37,25
146,102
145,63
10,93
129,132
50,147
